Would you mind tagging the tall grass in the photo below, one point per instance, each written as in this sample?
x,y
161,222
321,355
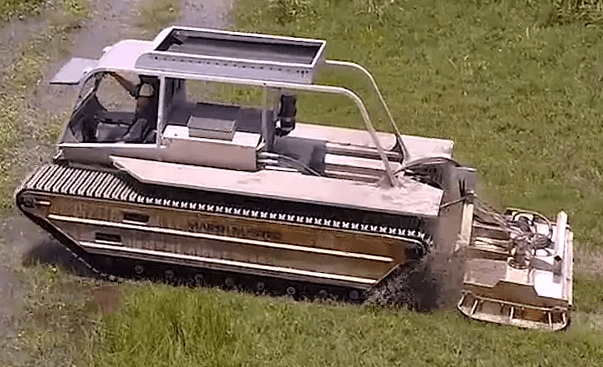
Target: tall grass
x,y
167,327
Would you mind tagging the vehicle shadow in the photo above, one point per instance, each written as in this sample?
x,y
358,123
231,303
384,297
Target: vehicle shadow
x,y
49,251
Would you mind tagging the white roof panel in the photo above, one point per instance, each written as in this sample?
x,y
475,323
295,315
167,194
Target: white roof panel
x,y
123,55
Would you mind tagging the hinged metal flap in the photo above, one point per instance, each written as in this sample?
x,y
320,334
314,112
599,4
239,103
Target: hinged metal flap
x,y
73,71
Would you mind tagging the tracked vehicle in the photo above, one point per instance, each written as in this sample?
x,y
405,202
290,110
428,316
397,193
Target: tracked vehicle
x,y
153,177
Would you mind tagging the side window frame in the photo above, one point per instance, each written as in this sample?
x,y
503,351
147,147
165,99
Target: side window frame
x,y
96,77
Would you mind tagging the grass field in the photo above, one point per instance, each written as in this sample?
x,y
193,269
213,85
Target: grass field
x,y
516,84
164,326
21,75
216,329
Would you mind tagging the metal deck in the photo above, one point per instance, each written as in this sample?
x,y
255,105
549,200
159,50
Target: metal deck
x,y
413,198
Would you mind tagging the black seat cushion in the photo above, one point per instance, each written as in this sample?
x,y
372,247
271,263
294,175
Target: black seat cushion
x,y
110,133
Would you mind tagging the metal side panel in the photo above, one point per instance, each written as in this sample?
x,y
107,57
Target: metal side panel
x,y
100,153
339,135
212,236
417,146
236,154
227,265
357,165
412,198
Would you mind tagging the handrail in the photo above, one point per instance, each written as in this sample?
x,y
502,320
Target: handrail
x,y
393,182
161,111
365,116
373,83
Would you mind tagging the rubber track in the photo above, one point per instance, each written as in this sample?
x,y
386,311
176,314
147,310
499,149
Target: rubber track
x,y
71,181
116,186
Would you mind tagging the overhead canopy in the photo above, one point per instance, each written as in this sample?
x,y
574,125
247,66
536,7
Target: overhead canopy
x,y
234,54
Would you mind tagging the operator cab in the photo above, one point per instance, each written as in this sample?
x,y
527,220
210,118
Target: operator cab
x,y
115,107
150,100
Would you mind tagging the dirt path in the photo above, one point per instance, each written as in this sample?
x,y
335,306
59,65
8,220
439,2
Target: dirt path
x,y
20,241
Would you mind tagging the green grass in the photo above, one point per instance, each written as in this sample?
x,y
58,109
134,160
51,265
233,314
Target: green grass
x,y
9,9
161,326
59,321
588,12
12,8
155,15
588,294
19,80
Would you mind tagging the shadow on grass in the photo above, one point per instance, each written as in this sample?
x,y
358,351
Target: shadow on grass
x,y
48,251
106,297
